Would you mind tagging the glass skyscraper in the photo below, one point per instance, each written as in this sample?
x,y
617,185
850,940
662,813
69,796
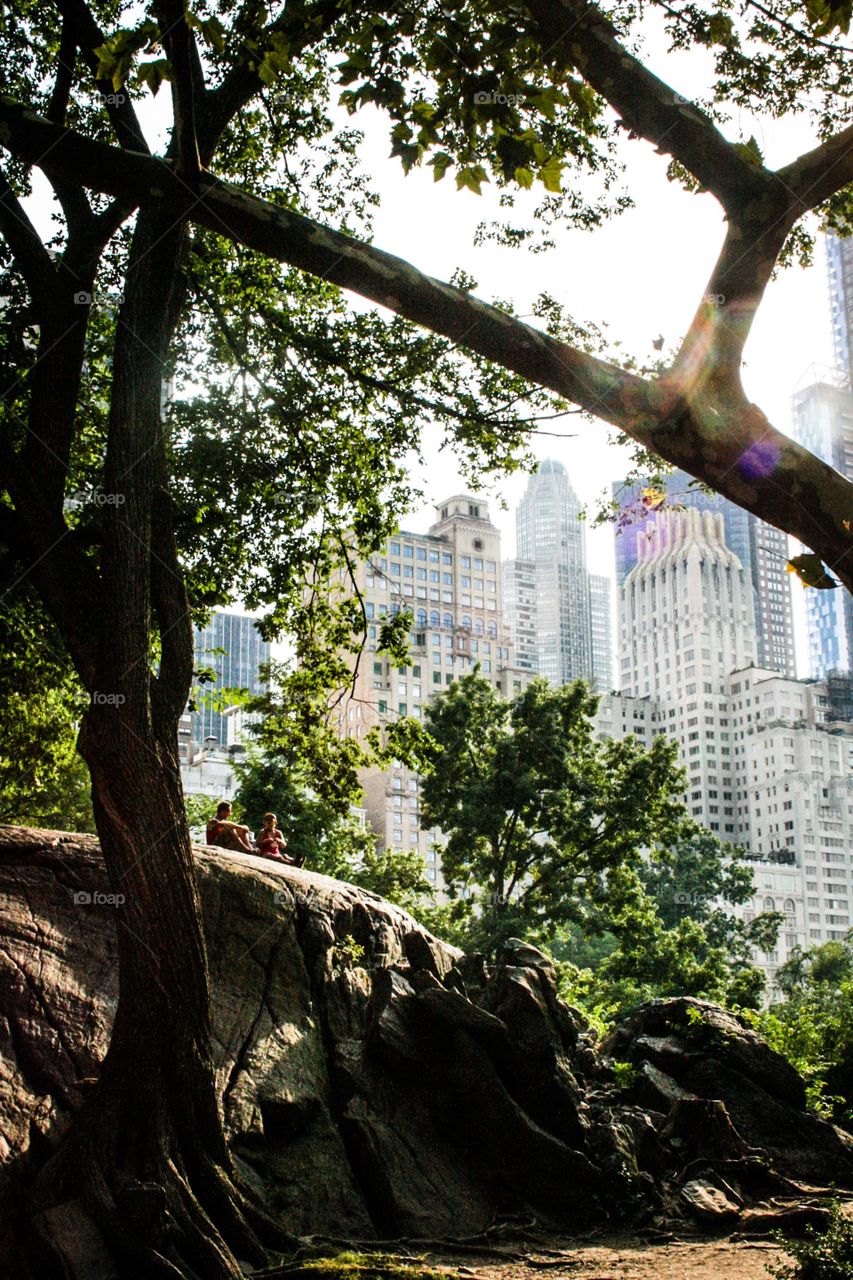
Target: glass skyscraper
x,y
550,538
231,646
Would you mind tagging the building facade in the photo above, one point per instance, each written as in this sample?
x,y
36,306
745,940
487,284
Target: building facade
x,y
601,632
769,758
761,549
550,537
839,271
822,414
232,647
450,579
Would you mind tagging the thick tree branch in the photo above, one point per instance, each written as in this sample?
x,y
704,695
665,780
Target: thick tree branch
x,y
179,43
119,108
818,174
29,254
704,424
577,35
61,94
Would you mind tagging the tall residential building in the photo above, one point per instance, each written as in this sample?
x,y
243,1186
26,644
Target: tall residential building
x,y
550,537
519,581
839,270
823,424
769,758
761,549
450,580
232,647
601,632
685,622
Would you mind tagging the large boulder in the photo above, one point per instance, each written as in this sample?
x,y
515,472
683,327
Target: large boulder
x,y
363,1093
375,1082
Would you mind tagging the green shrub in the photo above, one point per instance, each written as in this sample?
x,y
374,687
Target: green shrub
x,y
823,1254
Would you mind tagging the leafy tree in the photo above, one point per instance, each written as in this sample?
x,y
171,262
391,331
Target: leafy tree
x,y
541,819
813,1025
281,453
43,782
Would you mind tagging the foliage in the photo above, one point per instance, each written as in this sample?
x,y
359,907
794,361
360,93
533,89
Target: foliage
x,y
813,1025
543,823
43,782
370,1266
824,1254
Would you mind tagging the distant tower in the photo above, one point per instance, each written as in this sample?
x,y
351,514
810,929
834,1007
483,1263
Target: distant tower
x,y
550,537
686,622
519,579
839,270
601,632
823,424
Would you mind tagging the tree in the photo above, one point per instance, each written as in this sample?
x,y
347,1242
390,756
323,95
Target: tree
x,y
543,823
281,451
813,1026
530,97
43,782
679,934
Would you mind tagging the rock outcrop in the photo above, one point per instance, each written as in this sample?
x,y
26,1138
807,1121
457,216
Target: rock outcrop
x,y
377,1083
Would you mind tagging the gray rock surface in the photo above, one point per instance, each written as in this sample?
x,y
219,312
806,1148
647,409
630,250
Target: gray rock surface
x,y
375,1082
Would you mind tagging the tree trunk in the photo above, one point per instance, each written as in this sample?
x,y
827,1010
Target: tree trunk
x,y
145,1158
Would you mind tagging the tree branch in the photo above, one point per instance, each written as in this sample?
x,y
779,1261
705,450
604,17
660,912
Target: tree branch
x,y
29,254
179,43
816,175
704,424
119,108
577,35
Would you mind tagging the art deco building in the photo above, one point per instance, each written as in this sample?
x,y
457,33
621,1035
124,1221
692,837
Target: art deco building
x,y
761,549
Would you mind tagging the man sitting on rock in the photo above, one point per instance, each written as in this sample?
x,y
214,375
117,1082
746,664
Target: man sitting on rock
x,y
272,844
228,835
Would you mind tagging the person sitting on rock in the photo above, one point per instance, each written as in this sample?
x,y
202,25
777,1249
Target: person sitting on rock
x,y
225,834
272,844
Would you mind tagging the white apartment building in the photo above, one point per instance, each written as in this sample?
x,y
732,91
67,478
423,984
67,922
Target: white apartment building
x,y
767,769
450,580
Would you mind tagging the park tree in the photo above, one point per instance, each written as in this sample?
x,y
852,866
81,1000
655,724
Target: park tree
x,y
192,412
544,823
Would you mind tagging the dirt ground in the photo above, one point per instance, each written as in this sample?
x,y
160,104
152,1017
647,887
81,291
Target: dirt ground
x,y
631,1259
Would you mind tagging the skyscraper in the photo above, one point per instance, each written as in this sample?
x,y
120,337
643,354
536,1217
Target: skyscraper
x,y
231,645
449,579
550,537
601,632
839,270
761,549
519,579
823,423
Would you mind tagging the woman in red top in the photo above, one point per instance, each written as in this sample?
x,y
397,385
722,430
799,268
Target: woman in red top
x,y
270,843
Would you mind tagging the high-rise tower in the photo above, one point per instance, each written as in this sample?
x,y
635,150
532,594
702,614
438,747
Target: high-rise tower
x,y
550,537
231,645
823,424
761,549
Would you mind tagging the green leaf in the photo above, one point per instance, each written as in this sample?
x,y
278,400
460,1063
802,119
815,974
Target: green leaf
x,y
549,175
524,178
